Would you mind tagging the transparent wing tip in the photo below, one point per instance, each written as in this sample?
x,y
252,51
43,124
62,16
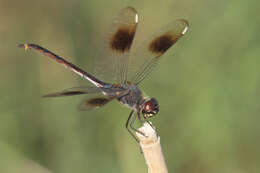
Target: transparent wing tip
x,y
129,8
185,25
129,14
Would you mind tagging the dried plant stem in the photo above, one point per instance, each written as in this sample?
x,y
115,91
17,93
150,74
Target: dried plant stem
x,y
152,150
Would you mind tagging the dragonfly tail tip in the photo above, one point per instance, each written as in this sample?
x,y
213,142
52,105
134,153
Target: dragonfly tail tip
x,y
24,46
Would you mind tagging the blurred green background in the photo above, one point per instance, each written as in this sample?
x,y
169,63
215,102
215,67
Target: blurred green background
x,y
208,87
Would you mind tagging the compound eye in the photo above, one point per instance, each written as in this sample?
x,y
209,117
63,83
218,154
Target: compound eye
x,y
150,108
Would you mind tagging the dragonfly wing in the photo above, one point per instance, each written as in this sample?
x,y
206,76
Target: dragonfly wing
x,y
75,91
111,64
148,54
97,97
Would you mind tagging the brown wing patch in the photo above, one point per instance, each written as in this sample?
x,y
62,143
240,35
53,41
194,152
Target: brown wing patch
x,y
162,43
97,102
122,40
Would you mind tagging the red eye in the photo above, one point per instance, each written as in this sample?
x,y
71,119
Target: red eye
x,y
148,107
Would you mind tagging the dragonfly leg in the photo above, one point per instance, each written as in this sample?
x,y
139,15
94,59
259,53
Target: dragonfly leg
x,y
129,123
132,123
127,126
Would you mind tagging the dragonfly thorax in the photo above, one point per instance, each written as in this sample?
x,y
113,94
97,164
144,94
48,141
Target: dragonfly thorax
x,y
133,98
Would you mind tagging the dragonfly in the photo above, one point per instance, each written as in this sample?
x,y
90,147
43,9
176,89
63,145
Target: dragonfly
x,y
118,70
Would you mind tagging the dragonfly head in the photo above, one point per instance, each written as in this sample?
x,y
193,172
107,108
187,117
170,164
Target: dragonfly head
x,y
150,108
